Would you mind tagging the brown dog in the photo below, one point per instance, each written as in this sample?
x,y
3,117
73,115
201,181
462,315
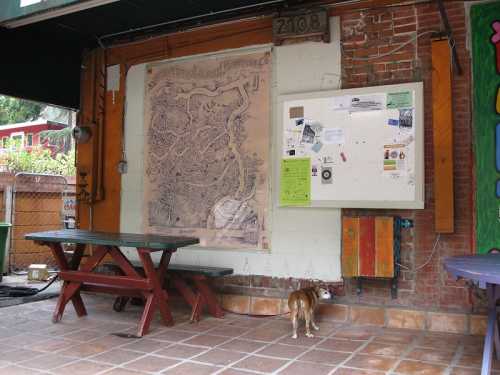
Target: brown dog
x,y
302,304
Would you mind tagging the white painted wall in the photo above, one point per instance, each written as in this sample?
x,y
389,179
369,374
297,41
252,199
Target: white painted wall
x,y
305,242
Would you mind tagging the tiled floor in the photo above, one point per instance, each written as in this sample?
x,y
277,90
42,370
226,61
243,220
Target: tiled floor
x,y
31,344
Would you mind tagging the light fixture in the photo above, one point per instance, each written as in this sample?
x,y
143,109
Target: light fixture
x,y
54,12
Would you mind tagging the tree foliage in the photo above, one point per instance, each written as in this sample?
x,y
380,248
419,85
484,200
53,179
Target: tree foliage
x,y
39,160
13,110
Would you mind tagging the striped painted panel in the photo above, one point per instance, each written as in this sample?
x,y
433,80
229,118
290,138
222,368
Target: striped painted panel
x,y
367,246
384,246
350,246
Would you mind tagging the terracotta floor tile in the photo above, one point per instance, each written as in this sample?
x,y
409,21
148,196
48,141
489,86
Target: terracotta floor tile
x,y
263,334
325,329
181,351
465,371
191,369
47,361
228,331
19,355
172,335
431,355
325,357
301,341
247,322
380,348
146,345
395,338
341,345
282,351
151,363
244,346
355,371
123,371
261,364
84,335
203,325
83,350
81,368
420,368
206,340
15,370
219,357
232,371
357,333
442,342
52,345
476,360
371,362
117,356
301,368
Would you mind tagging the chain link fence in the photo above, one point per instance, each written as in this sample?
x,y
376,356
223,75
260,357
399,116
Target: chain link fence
x,y
37,202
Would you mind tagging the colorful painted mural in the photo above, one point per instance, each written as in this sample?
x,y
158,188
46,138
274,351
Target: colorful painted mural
x,y
485,26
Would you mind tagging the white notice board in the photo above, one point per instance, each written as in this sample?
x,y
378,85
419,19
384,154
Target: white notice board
x,y
364,147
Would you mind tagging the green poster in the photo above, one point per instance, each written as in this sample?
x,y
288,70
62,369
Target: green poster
x,y
402,99
485,30
295,182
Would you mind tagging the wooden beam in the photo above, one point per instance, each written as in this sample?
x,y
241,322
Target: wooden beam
x,y
95,278
442,127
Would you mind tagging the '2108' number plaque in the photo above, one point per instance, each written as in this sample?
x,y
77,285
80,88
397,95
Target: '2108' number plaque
x,y
300,25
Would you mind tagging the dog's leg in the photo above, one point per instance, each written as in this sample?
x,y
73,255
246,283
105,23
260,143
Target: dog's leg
x,y
308,324
313,323
295,322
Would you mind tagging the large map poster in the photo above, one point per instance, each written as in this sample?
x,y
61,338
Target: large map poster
x,y
207,149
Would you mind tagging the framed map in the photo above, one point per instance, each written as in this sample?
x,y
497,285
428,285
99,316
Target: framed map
x,y
207,149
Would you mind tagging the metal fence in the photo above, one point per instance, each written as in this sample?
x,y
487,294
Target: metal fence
x,y
34,203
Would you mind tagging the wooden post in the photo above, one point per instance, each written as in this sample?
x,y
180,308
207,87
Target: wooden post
x,y
442,127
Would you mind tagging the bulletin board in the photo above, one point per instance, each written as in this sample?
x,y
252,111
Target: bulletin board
x,y
358,148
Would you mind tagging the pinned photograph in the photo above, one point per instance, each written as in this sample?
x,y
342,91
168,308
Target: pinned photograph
x,y
406,118
299,122
326,175
314,170
317,146
308,134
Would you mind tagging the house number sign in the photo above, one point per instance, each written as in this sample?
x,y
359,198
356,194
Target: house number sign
x,y
300,25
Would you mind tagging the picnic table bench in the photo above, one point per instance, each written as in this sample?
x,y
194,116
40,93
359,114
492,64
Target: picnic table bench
x,y
80,277
198,297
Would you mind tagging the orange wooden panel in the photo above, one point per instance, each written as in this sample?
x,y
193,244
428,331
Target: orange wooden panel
x,y
367,246
442,126
384,246
350,246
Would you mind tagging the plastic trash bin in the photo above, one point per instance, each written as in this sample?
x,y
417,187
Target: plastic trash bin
x,y
4,233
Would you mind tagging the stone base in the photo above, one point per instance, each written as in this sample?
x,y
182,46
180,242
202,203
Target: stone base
x,y
364,315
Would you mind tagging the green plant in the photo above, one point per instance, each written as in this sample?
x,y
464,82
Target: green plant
x,y
39,160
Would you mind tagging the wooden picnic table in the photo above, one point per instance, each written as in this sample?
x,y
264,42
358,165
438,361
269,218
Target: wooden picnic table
x,y
484,270
80,277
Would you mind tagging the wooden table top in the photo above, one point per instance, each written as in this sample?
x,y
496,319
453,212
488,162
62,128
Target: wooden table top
x,y
79,236
483,268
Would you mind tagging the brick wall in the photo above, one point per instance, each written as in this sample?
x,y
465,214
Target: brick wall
x,y
373,32
370,33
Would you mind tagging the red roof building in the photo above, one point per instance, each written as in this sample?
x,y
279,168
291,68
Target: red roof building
x,y
27,134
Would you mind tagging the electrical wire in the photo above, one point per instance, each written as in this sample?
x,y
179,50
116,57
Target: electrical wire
x,y
416,269
390,52
7,291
